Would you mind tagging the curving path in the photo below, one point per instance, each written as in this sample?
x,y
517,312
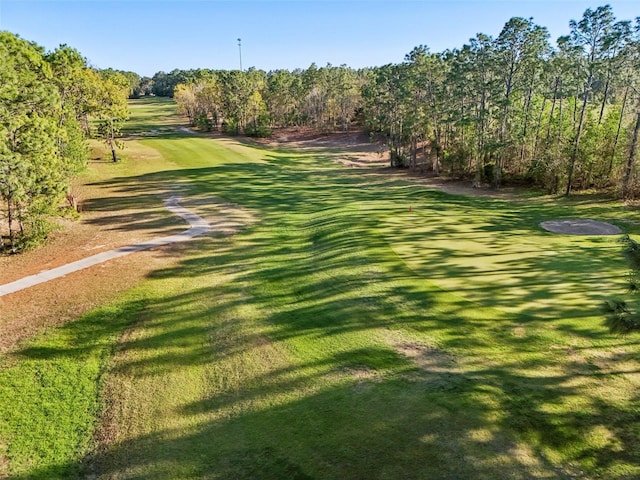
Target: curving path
x,y
198,226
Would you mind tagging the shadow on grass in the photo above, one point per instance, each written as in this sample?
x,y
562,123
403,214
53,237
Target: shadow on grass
x,y
488,250
360,412
344,411
340,275
159,112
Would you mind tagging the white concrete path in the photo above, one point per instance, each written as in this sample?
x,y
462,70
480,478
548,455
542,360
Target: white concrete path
x,y
198,226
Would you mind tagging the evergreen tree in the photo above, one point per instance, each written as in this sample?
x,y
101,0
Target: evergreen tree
x,y
31,168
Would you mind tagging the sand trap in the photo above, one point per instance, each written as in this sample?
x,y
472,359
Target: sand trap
x,y
580,226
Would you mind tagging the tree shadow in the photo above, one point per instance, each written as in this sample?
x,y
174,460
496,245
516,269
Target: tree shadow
x,y
378,415
342,278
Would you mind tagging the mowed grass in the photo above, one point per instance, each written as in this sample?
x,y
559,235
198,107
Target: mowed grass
x,y
342,335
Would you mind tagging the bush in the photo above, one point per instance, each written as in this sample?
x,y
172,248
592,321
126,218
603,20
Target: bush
x,y
258,131
203,122
488,172
35,231
230,127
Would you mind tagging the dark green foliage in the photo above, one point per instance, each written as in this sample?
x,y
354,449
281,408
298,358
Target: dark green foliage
x,y
619,319
74,148
230,127
31,167
45,104
632,254
203,122
258,131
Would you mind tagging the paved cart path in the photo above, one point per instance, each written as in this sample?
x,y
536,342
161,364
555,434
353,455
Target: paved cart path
x,y
198,226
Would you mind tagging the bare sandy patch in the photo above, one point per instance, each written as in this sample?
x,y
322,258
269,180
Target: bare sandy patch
x,y
428,358
226,218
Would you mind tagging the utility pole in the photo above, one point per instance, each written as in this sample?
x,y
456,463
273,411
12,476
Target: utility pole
x,y
240,51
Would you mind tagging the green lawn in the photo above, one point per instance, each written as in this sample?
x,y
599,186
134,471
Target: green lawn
x,y
342,335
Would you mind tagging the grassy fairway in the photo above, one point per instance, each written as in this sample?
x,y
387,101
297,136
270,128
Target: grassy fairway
x,y
339,336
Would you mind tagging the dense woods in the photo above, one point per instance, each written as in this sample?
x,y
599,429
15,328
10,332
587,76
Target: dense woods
x,y
50,103
510,109
514,108
253,101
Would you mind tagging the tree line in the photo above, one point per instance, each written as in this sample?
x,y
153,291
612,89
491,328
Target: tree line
x,y
514,108
50,103
253,101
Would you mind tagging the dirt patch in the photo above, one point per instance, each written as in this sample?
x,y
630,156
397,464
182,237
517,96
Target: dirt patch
x,y
428,358
30,311
360,373
224,217
311,137
353,148
580,227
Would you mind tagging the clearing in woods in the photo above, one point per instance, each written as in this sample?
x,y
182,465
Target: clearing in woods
x,y
323,329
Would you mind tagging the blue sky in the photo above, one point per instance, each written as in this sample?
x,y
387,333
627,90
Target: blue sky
x,y
147,36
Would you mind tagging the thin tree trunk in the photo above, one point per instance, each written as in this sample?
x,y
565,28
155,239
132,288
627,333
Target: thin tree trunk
x,y
10,219
497,174
483,108
631,159
84,122
576,143
480,153
560,121
604,96
556,177
538,125
617,138
527,109
20,219
553,108
436,165
414,152
112,141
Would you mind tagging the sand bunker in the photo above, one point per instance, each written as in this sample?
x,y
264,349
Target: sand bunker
x,y
580,226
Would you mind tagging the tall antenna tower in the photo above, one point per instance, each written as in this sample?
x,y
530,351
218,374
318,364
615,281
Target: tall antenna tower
x,y
240,51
